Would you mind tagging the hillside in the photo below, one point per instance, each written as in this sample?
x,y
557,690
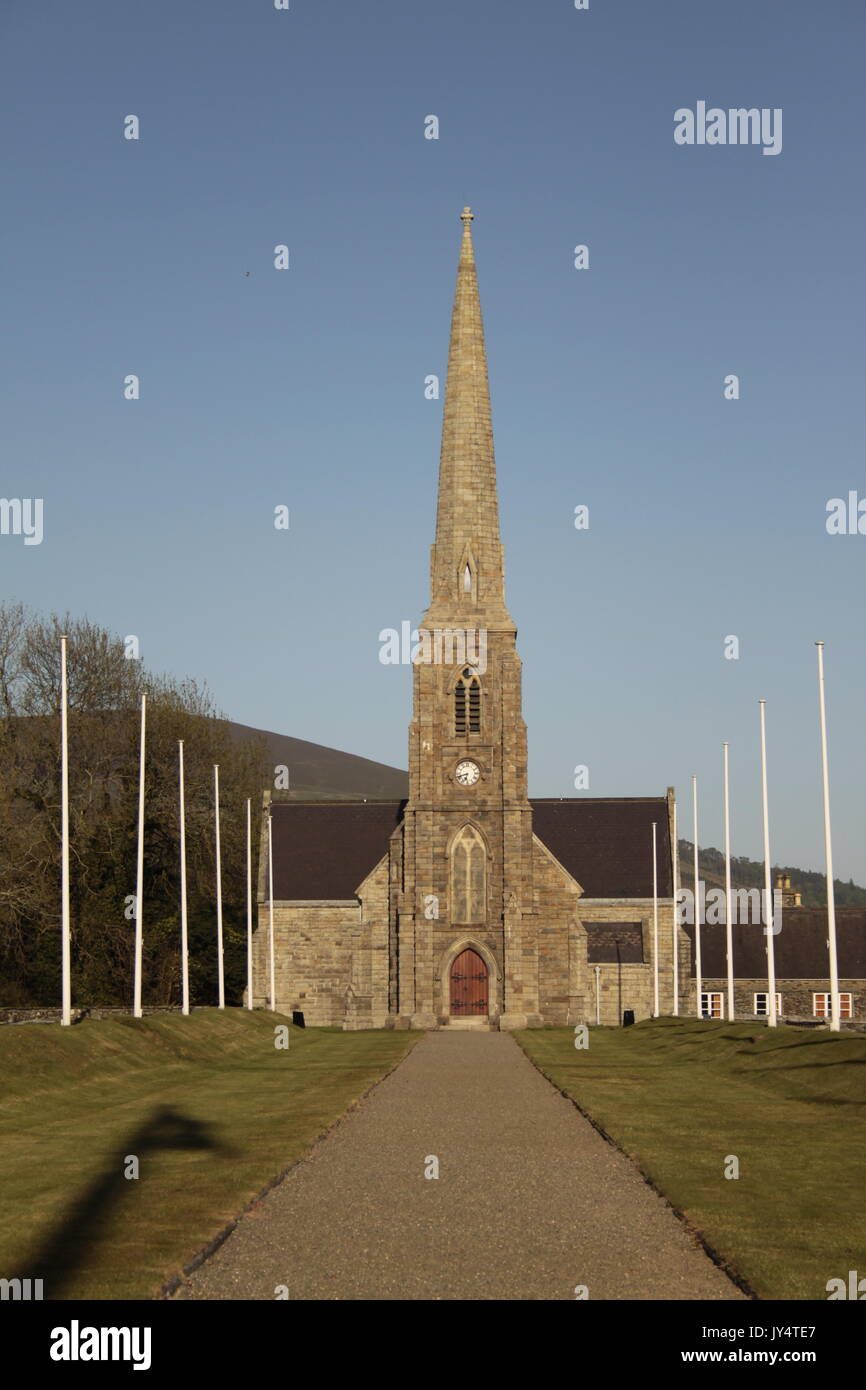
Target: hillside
x,y
316,771
749,873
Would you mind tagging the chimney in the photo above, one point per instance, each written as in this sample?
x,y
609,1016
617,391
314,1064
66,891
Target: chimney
x,y
791,897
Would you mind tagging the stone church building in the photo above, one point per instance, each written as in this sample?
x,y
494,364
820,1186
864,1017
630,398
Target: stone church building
x,y
470,904
467,904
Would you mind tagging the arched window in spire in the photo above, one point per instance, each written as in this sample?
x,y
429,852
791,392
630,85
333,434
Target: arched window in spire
x,y
467,579
468,878
467,703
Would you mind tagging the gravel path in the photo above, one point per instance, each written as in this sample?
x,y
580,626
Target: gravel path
x,y
530,1200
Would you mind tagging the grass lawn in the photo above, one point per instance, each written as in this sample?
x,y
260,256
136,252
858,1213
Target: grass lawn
x,y
207,1103
679,1096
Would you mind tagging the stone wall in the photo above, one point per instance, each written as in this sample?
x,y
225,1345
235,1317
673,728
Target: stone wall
x,y
314,946
554,933
631,986
796,996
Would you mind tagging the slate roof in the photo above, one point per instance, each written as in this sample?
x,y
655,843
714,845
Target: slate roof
x,y
800,948
325,849
606,843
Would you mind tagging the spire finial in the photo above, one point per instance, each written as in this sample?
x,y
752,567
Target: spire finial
x,y
467,216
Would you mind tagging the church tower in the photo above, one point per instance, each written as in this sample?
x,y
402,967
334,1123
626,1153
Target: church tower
x,y
465,876
466,905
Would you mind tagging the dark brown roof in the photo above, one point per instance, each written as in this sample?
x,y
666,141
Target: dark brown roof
x,y
325,849
612,942
606,844
800,948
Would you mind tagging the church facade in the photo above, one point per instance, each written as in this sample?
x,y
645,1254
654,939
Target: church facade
x,y
469,904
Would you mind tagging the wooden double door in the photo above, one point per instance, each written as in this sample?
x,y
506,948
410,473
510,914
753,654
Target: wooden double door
x,y
469,986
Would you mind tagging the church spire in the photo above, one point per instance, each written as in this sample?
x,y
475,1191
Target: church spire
x,y
466,570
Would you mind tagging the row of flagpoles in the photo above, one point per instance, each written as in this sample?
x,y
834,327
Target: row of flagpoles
x,y
66,974
768,892
66,950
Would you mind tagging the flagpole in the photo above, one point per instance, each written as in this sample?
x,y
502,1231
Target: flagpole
x,y
249,906
219,890
65,931
698,981
139,872
828,853
184,933
273,1002
675,946
729,931
655,927
768,891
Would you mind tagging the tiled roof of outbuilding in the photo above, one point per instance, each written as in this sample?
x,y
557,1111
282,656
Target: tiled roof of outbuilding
x,y
800,948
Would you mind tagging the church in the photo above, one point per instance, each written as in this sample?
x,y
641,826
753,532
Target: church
x,y
468,905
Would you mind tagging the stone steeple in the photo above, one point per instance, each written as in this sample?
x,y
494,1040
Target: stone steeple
x,y
467,580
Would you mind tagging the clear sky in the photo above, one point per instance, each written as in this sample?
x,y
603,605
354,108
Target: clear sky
x,y
305,387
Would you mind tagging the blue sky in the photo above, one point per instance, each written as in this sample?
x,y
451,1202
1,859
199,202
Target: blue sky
x,y
305,387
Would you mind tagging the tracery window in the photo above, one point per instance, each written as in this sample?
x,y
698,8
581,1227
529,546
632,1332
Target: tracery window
x,y
468,877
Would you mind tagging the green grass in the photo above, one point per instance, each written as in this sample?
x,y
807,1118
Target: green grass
x,y
210,1107
679,1096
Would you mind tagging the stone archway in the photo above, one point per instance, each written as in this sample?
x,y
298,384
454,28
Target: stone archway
x,y
489,963
469,982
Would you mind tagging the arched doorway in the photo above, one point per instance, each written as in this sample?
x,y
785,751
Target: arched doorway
x,y
469,986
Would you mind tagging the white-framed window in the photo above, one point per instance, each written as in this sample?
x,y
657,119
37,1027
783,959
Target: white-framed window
x,y
821,1005
762,1002
711,1004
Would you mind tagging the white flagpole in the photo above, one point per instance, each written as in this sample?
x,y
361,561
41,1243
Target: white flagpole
x,y
828,853
249,906
729,931
273,1001
698,981
675,947
184,934
768,890
273,991
65,932
139,873
219,889
655,927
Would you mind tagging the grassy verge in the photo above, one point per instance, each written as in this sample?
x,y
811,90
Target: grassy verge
x,y
679,1096
207,1104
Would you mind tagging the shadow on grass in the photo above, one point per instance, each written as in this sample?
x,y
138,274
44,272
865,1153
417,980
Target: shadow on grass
x,y
84,1223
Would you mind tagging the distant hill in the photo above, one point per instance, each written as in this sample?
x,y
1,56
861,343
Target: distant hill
x,y
323,773
749,873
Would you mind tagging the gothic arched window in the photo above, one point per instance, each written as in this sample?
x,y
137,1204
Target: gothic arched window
x,y
468,878
467,703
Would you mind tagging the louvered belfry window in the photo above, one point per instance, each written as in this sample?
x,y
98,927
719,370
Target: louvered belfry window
x,y
467,704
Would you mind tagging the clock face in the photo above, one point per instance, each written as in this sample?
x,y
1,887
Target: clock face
x,y
467,773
